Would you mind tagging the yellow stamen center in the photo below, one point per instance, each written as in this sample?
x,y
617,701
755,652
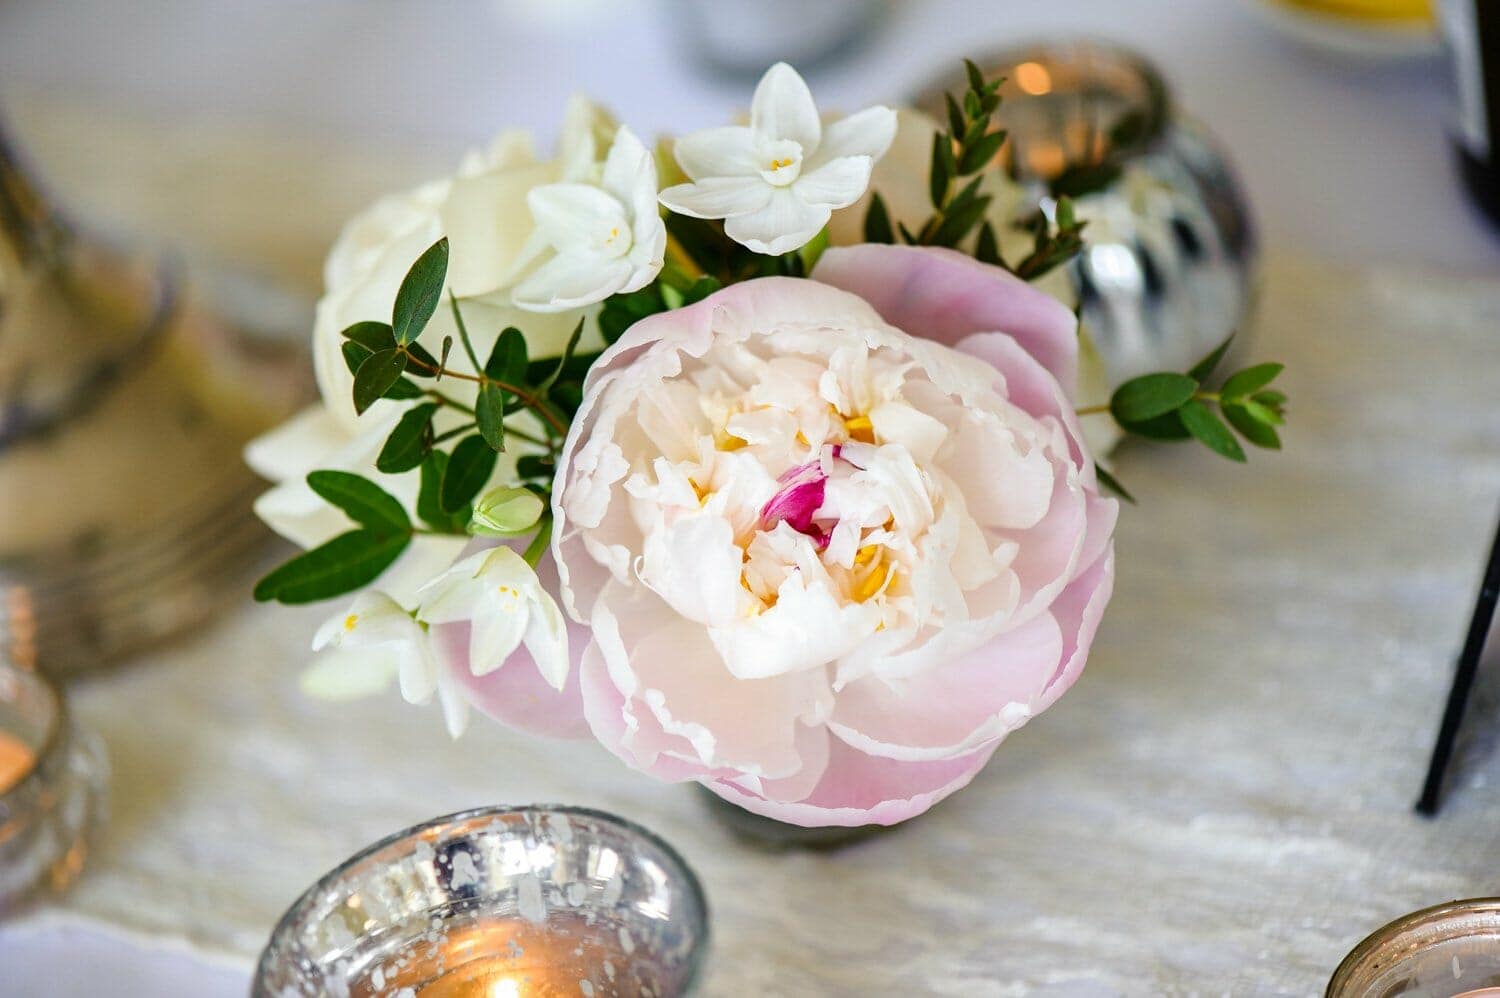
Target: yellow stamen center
x,y
872,583
860,428
777,164
866,554
350,621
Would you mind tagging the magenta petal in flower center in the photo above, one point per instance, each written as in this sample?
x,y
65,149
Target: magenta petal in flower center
x,y
797,505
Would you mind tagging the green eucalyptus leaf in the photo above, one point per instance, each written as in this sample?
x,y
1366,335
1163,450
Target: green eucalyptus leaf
x,y
1205,367
409,442
428,506
507,361
365,502
1151,395
532,466
956,121
354,355
403,390
975,76
545,385
371,335
420,290
1210,430
506,512
469,467
489,414
1259,433
942,169
376,375
878,222
344,564
1250,380
1167,426
959,222
987,249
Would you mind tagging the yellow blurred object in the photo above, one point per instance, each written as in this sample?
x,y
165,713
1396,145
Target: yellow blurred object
x,y
1366,10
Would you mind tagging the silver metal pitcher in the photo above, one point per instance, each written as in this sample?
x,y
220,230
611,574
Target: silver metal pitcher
x,y
124,505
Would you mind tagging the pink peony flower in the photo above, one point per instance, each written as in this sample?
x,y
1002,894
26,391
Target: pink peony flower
x,y
834,538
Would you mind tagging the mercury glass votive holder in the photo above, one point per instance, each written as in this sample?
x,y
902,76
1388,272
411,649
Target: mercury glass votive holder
x,y
524,902
1448,950
52,778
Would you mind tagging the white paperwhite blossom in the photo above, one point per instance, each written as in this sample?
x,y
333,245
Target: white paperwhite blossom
x,y
374,642
777,181
606,239
498,594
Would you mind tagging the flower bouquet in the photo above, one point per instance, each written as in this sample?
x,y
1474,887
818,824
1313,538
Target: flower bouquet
x,y
650,445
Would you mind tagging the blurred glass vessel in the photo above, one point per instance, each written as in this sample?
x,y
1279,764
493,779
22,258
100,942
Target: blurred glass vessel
x,y
124,505
51,790
529,901
1168,269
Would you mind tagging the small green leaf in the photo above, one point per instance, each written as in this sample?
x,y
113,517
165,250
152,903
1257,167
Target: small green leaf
x,y
376,375
469,467
956,122
1253,429
366,503
372,336
1210,430
942,169
973,105
1261,413
1164,427
878,222
342,565
545,385
960,221
534,466
419,293
489,414
1109,482
403,390
1151,395
987,249
354,355
1272,399
1205,367
506,512
428,506
1250,380
976,78
409,442
507,361
978,155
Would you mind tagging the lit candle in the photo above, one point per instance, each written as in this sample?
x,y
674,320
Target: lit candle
x,y
496,903
16,760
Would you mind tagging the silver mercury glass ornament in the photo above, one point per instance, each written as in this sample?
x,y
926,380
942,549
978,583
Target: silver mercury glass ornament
x,y
1167,269
124,504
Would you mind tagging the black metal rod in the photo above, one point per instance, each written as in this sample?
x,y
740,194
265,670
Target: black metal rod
x,y
1463,683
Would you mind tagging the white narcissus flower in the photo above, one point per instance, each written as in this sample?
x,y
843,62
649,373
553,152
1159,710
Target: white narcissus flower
x,y
607,238
374,642
498,595
777,181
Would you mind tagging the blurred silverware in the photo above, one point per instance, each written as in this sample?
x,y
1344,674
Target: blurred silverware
x,y
124,405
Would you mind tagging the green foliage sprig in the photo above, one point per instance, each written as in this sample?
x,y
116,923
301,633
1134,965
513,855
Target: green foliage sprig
x,y
966,149
1170,406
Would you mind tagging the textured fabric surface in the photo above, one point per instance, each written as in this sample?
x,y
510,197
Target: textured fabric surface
x,y
1222,804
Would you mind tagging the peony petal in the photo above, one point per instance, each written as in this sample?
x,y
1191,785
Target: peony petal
x,y
944,295
836,184
1079,609
569,281
858,789
783,108
718,197
730,151
784,224
520,697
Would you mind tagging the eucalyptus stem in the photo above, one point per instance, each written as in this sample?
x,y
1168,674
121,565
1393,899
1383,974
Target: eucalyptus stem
x,y
538,545
533,402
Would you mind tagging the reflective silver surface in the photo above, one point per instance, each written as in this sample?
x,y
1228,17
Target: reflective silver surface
x,y
534,901
124,503
47,816
1448,949
1167,272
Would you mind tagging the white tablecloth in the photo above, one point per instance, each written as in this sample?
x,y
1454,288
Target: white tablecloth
x,y
1222,805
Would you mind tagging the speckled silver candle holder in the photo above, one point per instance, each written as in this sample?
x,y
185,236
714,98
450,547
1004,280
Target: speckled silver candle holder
x,y
508,902
51,788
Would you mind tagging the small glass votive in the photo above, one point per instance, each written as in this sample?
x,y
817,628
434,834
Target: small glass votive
x,y
1444,951
52,780
518,902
